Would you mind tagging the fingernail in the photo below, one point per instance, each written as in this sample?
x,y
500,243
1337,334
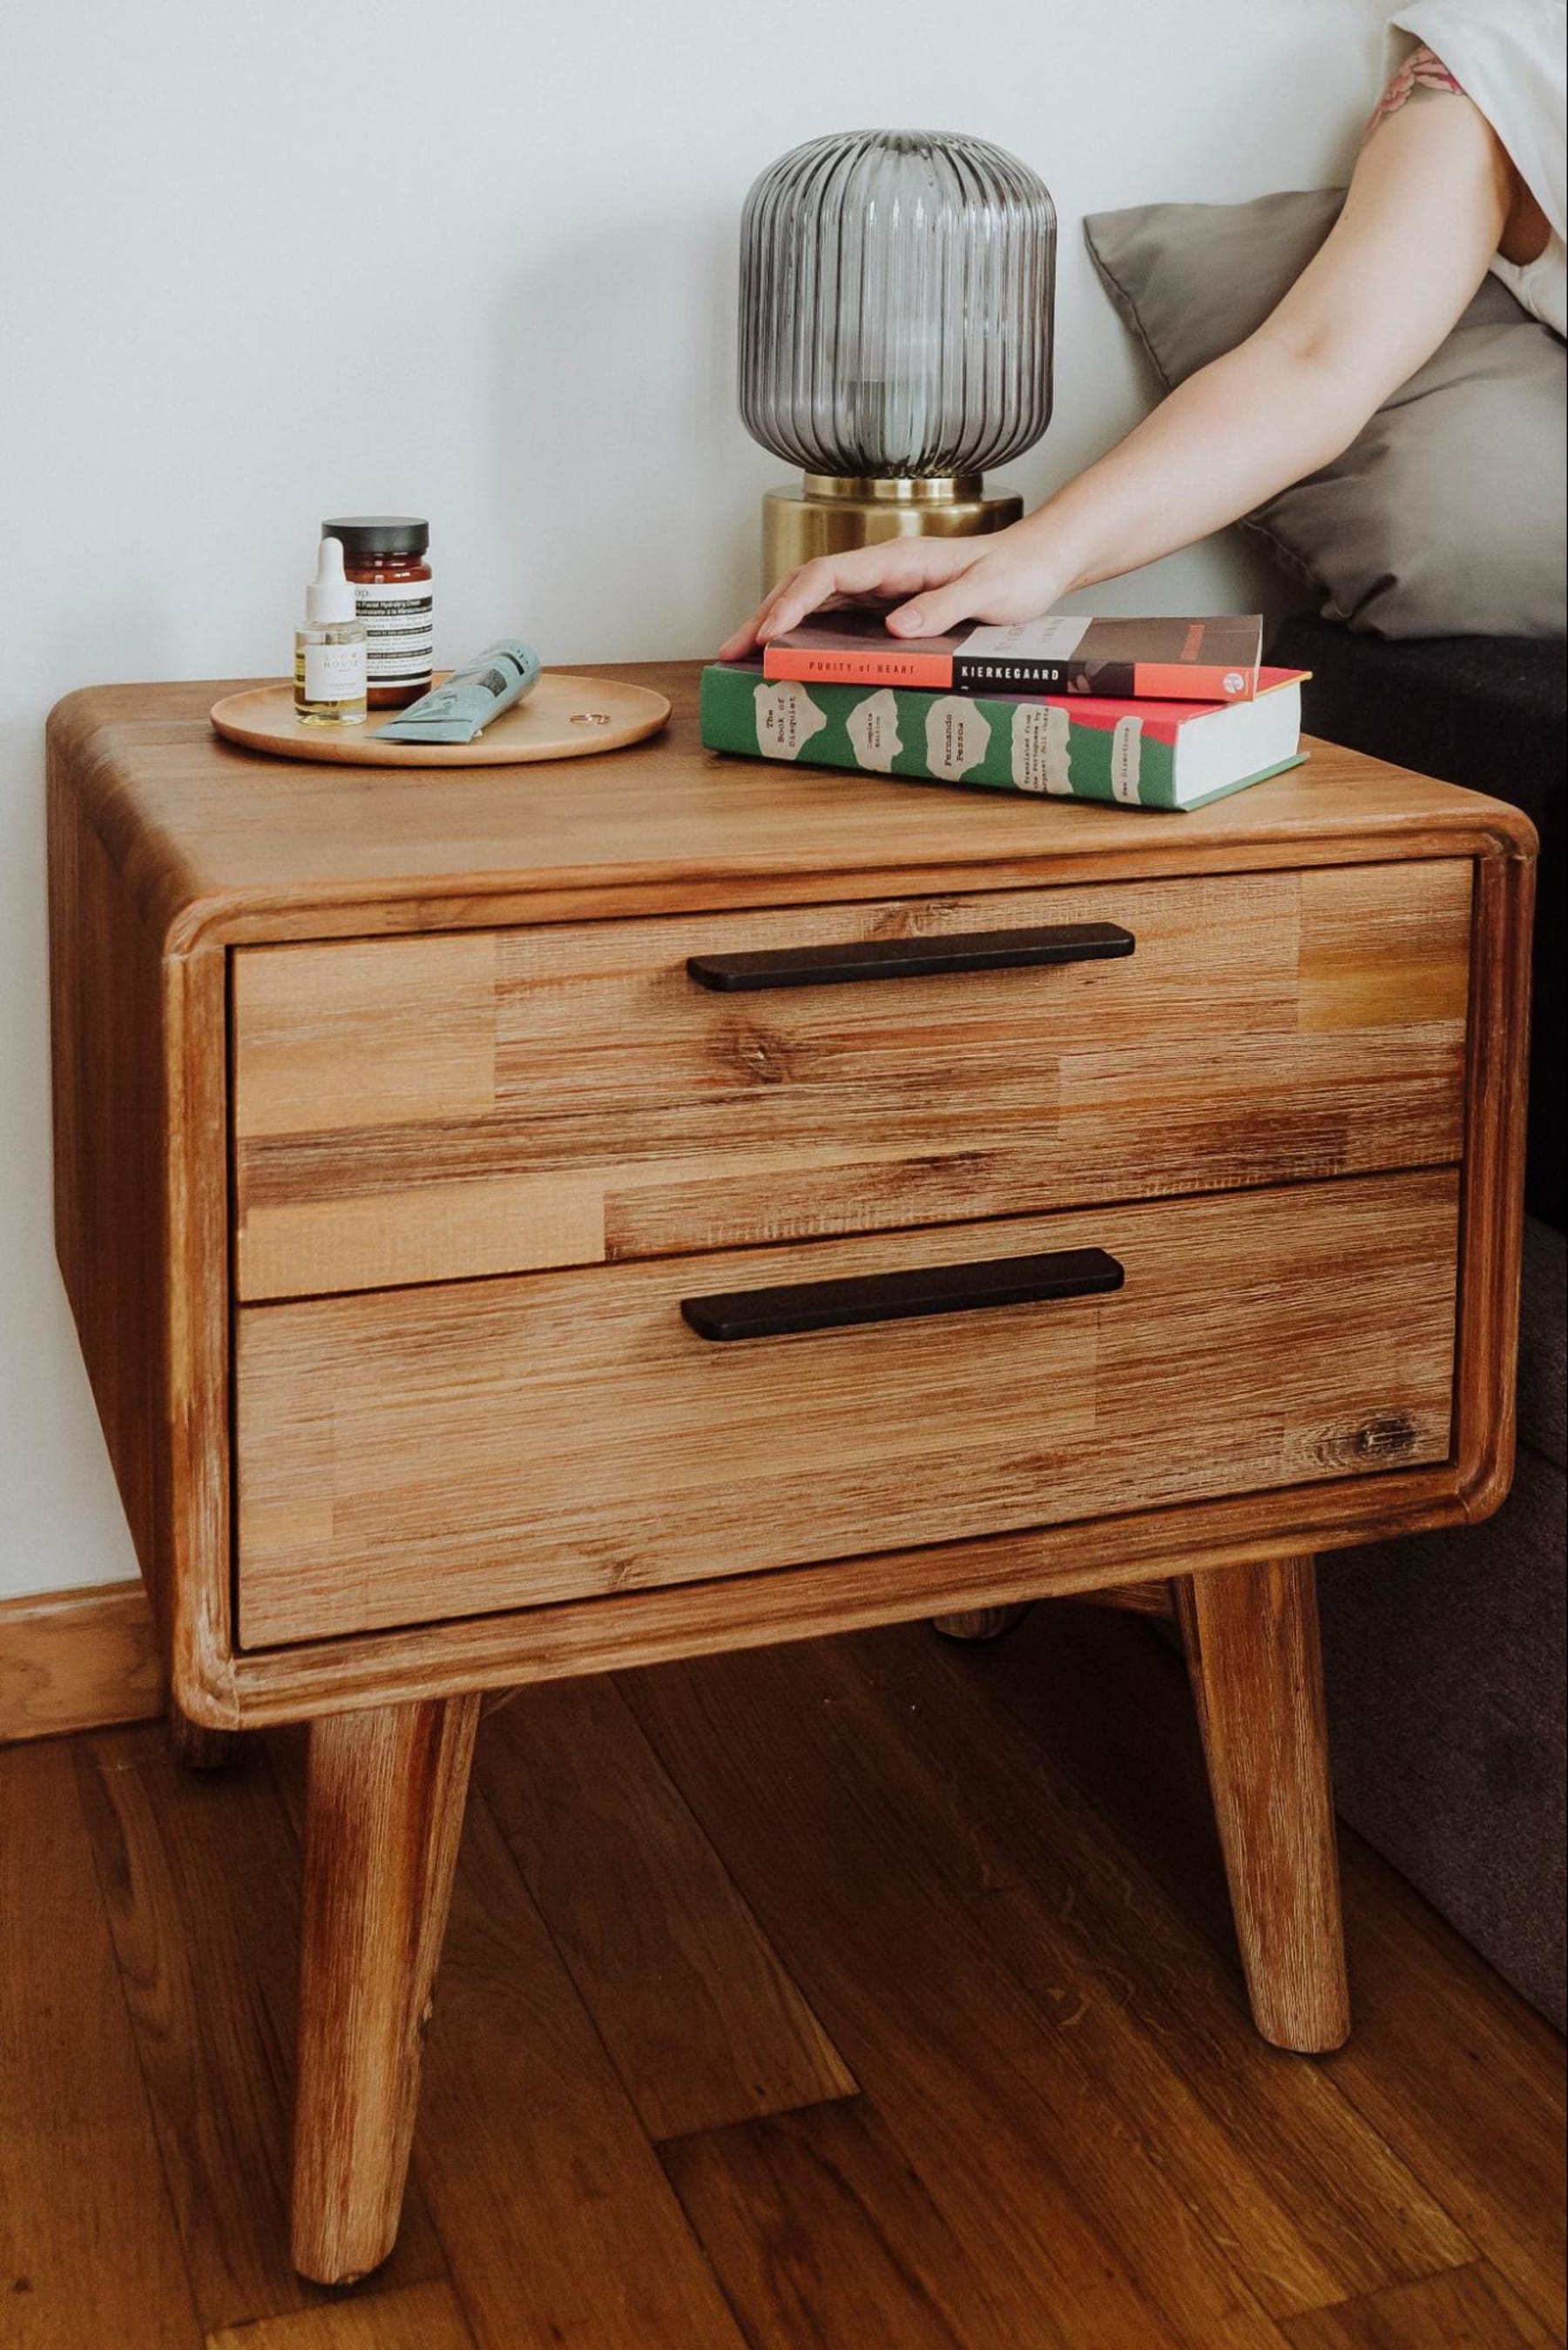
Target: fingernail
x,y
911,623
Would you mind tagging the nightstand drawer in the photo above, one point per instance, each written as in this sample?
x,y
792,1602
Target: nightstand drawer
x,y
436,1107
445,1451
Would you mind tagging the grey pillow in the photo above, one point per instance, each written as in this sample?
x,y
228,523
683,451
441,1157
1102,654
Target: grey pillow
x,y
1443,517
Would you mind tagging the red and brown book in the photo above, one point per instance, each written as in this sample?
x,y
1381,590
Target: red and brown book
x,y
1212,659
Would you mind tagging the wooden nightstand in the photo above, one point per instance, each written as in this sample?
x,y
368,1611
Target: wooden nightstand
x,y
525,1222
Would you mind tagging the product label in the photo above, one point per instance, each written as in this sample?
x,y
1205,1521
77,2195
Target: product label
x,y
400,624
1042,740
872,727
786,718
1127,759
335,673
957,738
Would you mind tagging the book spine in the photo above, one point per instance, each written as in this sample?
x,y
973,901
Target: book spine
x,y
942,738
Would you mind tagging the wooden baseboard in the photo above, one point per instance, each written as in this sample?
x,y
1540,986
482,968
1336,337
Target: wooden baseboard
x,y
78,1660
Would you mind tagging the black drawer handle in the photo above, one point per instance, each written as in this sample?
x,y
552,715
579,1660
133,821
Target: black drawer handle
x,y
901,1296
922,958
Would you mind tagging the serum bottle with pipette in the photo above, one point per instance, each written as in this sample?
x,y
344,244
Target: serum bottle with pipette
x,y
329,649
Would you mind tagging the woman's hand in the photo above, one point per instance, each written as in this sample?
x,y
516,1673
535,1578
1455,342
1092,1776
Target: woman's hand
x,y
934,583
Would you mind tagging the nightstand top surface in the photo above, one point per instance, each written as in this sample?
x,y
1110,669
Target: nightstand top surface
x,y
220,843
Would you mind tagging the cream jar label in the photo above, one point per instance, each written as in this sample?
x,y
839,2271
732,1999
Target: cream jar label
x,y
400,630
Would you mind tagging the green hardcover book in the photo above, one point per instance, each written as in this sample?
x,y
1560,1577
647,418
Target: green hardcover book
x,y
1151,755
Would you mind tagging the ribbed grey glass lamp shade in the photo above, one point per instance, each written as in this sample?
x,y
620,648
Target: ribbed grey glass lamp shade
x,y
896,312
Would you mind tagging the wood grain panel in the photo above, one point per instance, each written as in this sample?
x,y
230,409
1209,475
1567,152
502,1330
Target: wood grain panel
x,y
1136,1598
216,845
1372,947
420,1108
384,1035
439,1452
742,1611
207,851
110,1127
198,1575
78,1660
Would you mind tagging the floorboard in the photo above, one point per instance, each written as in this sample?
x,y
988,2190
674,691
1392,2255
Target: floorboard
x,y
558,2222
415,2317
704,2025
1467,2086
1285,2169
1468,2309
89,2249
1051,2192
871,1994
201,1881
821,2231
1458,2078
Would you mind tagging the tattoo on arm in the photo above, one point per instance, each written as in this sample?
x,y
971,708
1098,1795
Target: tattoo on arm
x,y
1422,75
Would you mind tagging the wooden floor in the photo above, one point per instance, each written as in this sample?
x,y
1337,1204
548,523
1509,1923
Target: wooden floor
x,y
876,1995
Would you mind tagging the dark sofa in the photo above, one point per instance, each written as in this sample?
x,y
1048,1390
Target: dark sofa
x,y
1445,1652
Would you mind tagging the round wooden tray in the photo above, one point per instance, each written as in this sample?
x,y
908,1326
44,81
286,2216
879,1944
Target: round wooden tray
x,y
563,718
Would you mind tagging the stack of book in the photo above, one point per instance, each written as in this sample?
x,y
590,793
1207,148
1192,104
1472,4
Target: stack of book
x,y
1158,713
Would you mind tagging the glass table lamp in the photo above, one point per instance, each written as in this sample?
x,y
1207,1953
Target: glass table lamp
x,y
896,307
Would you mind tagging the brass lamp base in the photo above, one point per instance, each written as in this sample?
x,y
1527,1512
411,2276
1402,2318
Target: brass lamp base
x,y
830,514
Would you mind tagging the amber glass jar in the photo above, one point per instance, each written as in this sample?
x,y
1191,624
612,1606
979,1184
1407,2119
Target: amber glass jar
x,y
385,556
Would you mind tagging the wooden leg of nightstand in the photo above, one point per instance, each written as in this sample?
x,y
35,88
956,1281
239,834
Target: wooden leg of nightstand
x,y
383,1820
198,1749
1252,1638
979,1623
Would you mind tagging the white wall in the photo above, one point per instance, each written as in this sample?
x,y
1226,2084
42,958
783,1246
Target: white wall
x,y
477,261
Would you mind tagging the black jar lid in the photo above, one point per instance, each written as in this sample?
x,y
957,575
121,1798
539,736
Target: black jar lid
x,y
379,534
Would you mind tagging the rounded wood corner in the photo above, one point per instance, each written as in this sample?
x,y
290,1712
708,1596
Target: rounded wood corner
x,y
204,1699
1482,1492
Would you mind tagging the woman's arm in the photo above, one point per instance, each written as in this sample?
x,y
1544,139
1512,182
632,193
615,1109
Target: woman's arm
x,y
1427,207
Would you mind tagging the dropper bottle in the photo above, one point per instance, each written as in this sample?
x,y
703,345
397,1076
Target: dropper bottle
x,y
329,650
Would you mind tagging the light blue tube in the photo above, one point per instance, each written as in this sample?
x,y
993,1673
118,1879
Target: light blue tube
x,y
464,707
